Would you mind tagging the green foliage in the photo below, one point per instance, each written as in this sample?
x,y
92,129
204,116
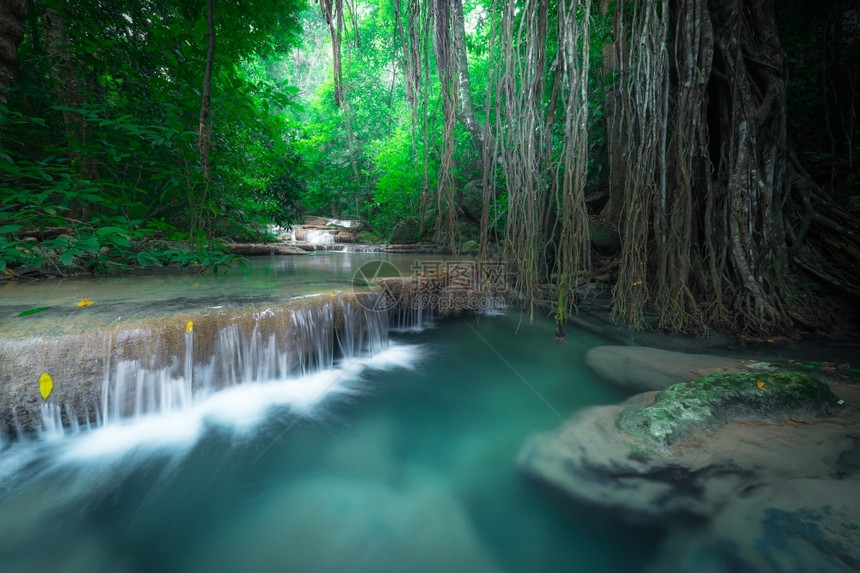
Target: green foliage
x,y
100,155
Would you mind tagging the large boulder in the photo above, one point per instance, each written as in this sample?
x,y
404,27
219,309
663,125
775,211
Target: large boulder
x,y
640,368
695,446
792,525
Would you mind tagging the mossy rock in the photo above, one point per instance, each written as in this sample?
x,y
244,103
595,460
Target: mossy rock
x,y
684,410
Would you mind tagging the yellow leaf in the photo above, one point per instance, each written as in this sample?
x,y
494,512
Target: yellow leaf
x,y
332,293
85,302
189,327
760,385
46,385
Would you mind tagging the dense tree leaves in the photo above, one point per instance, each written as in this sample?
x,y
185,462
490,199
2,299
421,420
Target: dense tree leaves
x,y
104,127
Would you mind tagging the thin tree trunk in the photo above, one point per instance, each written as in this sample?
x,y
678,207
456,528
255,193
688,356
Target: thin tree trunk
x,y
68,91
466,111
13,19
204,130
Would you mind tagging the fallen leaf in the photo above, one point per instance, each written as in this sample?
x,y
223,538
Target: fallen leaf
x,y
46,385
85,302
34,310
760,385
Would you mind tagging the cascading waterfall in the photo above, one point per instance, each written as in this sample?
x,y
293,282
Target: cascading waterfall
x,y
320,237
318,334
416,314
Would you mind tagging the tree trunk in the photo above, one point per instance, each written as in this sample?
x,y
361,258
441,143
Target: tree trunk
x,y
69,93
613,54
13,18
466,111
751,172
203,130
704,241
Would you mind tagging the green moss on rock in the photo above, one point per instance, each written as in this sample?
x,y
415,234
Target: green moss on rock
x,y
683,410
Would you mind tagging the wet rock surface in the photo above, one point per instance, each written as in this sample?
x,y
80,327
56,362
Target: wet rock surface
x,y
778,456
793,525
641,368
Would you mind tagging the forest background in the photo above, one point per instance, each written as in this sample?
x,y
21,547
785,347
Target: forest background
x,y
701,155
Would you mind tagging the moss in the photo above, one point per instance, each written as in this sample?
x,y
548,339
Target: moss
x,y
684,410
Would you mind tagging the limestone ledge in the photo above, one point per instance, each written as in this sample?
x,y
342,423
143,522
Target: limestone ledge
x,y
79,353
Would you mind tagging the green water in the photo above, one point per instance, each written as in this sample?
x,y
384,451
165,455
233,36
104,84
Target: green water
x,y
414,472
401,462
164,292
268,276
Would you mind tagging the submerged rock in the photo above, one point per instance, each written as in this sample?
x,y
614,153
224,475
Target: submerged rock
x,y
327,523
793,525
640,368
696,446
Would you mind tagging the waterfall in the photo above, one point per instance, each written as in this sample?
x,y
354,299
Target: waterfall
x,y
416,314
52,421
263,349
317,236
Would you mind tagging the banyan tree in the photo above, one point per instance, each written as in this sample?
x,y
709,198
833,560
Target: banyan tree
x,y
720,226
680,108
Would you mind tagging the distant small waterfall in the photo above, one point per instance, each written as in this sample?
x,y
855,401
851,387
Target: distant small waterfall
x,y
320,237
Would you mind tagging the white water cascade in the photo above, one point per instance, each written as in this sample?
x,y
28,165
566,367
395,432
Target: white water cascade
x,y
234,380
320,237
317,336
